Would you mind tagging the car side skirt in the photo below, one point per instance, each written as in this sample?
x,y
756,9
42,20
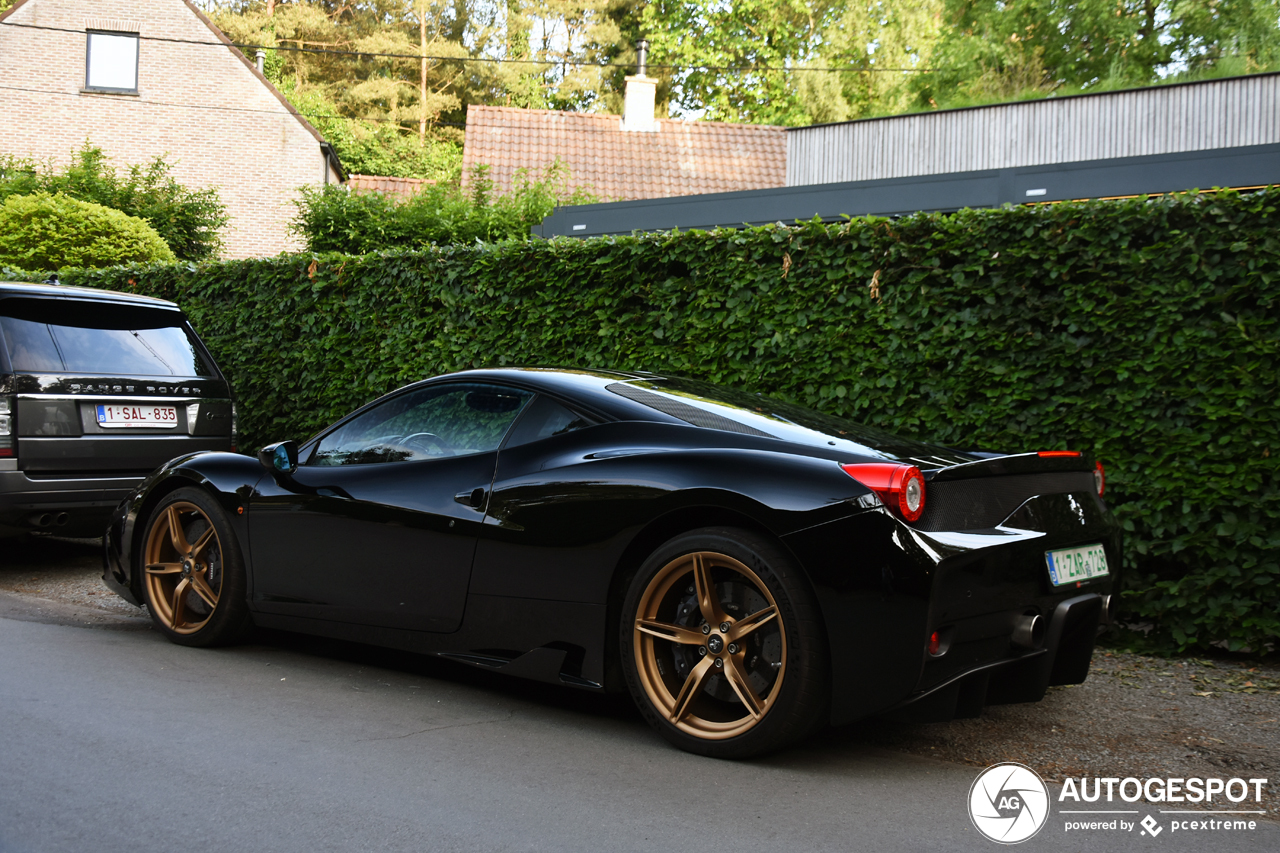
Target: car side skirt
x,y
558,642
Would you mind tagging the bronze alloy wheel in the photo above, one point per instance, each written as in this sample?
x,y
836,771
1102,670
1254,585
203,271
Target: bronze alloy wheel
x,y
710,645
184,567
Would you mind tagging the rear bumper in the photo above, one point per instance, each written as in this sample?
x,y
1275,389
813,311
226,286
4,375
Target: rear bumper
x,y
73,505
1063,659
885,587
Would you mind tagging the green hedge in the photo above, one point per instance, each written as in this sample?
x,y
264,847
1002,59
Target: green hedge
x,y
1145,332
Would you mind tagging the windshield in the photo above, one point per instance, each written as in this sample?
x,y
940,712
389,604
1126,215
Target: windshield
x,y
60,336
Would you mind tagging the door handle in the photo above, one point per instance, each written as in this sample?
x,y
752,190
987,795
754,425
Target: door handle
x,y
474,498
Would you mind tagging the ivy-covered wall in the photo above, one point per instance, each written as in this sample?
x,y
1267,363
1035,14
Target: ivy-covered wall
x,y
1145,332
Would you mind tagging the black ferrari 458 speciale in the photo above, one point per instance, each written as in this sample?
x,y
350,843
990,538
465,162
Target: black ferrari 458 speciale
x,y
749,570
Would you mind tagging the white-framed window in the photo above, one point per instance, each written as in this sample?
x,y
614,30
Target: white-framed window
x,y
111,62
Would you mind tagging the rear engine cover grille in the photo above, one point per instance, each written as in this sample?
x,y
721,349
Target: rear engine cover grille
x,y
984,502
685,412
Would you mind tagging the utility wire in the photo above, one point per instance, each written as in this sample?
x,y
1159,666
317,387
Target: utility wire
x,y
132,102
740,69
136,102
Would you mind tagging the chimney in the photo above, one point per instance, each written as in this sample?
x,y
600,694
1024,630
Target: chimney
x,y
637,109
260,58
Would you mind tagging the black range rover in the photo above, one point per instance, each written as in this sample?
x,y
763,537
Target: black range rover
x,y
97,389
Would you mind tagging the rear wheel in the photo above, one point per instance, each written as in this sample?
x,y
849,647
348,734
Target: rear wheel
x,y
722,645
193,573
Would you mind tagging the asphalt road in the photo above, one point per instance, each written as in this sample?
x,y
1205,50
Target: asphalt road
x,y
113,739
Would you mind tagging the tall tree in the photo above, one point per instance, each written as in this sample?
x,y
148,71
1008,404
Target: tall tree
x,y
770,61
879,47
369,75
1002,48
731,61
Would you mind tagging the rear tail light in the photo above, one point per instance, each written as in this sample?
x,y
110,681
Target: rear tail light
x,y
935,644
1099,478
899,487
6,426
1058,453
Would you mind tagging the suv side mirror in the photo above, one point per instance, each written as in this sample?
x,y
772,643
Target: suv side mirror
x,y
281,456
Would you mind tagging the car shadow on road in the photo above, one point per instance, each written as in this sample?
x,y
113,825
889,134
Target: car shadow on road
x,y
617,706
830,750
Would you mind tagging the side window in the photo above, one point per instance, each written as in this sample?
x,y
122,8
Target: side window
x,y
543,419
431,423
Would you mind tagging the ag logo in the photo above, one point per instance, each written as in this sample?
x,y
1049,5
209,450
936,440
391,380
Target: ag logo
x,y
1008,803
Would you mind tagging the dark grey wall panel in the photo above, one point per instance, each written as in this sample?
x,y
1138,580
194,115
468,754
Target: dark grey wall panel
x,y
1232,167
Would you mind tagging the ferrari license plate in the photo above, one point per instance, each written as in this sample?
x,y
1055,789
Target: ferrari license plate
x,y
159,417
1072,565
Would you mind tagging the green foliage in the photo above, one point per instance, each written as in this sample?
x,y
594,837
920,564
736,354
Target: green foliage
x,y
1146,332
189,221
793,62
376,147
883,46
992,50
731,41
380,112
332,219
49,232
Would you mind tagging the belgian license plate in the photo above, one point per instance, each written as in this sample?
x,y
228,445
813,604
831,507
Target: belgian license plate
x,y
1072,565
161,417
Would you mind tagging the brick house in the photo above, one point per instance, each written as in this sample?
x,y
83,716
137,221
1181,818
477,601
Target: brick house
x,y
147,78
627,157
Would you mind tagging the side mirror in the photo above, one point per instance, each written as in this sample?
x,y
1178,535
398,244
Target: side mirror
x,y
281,457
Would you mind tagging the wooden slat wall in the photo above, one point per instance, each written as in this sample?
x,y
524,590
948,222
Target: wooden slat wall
x,y
1159,120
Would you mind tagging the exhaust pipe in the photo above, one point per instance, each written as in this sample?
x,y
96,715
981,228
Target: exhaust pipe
x,y
39,519
61,519
1028,631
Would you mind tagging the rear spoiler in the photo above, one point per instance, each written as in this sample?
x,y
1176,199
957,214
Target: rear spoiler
x,y
1018,463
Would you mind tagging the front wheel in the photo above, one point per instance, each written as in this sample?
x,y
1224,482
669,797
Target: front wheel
x,y
193,573
722,645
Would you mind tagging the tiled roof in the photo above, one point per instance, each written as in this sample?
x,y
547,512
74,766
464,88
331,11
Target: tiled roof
x,y
403,187
680,158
